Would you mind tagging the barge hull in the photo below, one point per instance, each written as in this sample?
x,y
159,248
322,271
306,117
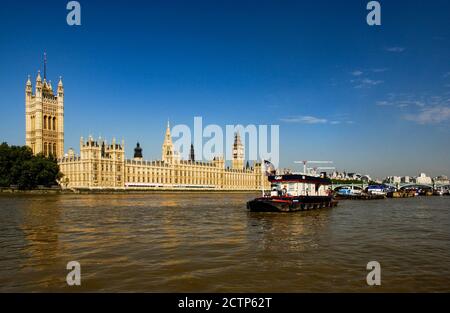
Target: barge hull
x,y
290,205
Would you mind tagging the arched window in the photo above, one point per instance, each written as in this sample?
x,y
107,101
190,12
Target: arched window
x,y
45,145
50,124
54,149
54,123
45,121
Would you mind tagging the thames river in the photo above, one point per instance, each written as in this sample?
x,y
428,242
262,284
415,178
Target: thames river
x,y
208,242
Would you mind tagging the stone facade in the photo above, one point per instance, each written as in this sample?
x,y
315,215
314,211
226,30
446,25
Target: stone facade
x,y
44,117
101,165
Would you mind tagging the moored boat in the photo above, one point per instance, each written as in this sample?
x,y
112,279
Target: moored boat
x,y
401,194
295,192
381,190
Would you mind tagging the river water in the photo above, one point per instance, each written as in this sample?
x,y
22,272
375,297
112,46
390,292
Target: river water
x,y
207,242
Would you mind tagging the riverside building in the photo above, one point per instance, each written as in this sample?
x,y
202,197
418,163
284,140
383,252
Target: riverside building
x,y
103,165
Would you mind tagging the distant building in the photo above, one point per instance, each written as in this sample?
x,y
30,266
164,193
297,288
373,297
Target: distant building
x,y
350,176
405,180
366,178
441,180
392,180
424,179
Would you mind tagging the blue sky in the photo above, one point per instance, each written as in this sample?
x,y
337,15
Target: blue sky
x,y
373,99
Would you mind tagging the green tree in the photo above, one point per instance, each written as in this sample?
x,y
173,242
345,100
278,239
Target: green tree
x,y
18,166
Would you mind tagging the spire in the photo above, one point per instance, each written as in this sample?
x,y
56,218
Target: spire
x,y
238,152
60,83
38,78
237,138
168,137
167,147
29,81
192,154
45,66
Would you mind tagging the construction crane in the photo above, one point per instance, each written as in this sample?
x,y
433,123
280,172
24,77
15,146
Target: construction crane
x,y
314,162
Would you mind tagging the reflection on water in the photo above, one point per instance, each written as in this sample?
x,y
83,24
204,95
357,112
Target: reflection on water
x,y
208,242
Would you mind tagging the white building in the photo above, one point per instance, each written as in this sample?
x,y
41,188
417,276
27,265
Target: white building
x,y
393,180
424,179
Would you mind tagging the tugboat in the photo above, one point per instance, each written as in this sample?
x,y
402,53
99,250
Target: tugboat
x,y
295,192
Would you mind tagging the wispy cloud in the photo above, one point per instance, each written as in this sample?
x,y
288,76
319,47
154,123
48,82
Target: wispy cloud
x,y
383,103
380,70
306,119
361,80
366,82
371,81
446,75
309,119
400,103
430,115
395,49
421,109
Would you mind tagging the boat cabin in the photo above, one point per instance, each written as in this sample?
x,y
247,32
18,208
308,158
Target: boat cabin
x,y
295,185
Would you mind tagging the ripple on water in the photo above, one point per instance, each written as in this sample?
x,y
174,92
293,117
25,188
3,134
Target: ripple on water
x,y
209,242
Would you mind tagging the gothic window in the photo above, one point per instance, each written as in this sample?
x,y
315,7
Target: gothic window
x,y
54,149
54,123
45,148
45,121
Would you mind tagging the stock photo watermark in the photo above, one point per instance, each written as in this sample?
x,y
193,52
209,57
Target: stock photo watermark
x,y
374,276
73,278
74,15
374,16
218,141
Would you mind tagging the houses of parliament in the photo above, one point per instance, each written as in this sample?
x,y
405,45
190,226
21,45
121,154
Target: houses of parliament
x,y
103,165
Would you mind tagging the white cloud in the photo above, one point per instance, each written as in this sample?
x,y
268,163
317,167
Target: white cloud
x,y
430,115
383,103
366,82
380,70
371,82
357,73
395,49
307,119
404,100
